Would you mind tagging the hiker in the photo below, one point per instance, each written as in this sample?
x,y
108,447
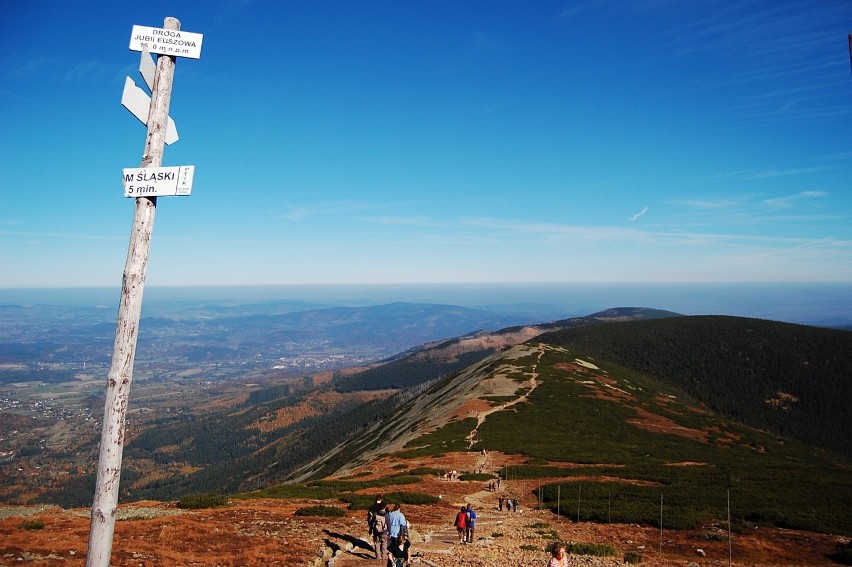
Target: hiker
x,y
500,503
461,524
397,524
377,526
399,552
559,558
380,534
471,523
373,511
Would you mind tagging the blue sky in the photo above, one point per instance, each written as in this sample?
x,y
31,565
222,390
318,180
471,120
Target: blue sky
x,y
400,141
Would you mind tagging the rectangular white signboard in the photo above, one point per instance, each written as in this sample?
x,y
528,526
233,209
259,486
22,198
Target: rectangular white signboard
x,y
158,181
166,42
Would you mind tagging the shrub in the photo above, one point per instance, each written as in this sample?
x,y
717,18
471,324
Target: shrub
x,y
343,486
842,554
358,475
285,491
476,476
32,525
593,549
529,547
321,511
426,470
633,557
364,501
206,500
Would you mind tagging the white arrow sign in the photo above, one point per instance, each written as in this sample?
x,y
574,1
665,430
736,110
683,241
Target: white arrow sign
x,y
166,42
148,68
138,103
158,181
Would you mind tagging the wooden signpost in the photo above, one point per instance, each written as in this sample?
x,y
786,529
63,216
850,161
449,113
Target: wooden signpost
x,y
144,183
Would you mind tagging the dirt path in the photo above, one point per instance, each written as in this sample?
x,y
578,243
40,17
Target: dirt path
x,y
531,384
499,533
502,539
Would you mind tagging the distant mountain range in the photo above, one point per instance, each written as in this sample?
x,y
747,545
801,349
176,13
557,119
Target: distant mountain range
x,y
251,336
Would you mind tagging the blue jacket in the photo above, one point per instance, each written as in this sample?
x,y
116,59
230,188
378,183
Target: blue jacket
x,y
395,522
471,518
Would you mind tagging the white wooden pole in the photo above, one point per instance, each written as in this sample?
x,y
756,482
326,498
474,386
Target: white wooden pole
x,y
661,526
579,493
730,545
105,504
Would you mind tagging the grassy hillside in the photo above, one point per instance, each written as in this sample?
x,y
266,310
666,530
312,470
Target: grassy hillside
x,y
613,443
793,380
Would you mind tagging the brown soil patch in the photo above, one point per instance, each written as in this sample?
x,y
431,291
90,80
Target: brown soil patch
x,y
472,408
660,424
315,404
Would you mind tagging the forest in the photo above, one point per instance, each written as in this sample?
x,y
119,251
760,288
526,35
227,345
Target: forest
x,y
793,380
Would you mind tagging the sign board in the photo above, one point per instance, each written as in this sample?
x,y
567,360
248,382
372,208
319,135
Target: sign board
x,y
138,103
158,181
166,42
148,68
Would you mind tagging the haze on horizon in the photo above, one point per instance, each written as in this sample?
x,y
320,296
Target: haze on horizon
x,y
387,143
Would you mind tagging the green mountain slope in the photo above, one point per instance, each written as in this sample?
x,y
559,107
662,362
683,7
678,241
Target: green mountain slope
x,y
621,439
793,380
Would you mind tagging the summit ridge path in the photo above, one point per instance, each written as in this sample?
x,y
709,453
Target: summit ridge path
x,y
499,534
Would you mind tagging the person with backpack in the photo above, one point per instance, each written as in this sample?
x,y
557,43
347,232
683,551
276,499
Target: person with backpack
x,y
461,524
471,523
373,510
377,526
380,533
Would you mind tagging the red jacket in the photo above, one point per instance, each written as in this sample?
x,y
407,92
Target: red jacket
x,y
461,520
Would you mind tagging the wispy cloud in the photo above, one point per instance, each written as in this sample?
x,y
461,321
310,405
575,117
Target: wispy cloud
x,y
785,172
60,235
227,10
299,212
26,68
752,174
670,237
639,214
573,9
406,221
725,203
792,200
562,231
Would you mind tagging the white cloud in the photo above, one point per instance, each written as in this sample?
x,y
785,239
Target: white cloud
x,y
791,200
639,214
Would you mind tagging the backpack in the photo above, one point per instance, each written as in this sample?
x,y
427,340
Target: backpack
x,y
380,524
461,520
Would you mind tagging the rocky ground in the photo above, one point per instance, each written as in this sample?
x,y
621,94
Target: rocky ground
x,y
267,532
